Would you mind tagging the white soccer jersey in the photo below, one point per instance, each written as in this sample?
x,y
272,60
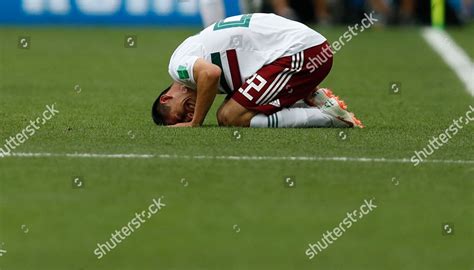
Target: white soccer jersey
x,y
241,45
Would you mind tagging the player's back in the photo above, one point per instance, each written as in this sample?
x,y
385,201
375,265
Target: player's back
x,y
240,46
266,35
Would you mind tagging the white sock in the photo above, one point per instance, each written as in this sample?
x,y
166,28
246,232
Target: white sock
x,y
211,11
301,104
293,118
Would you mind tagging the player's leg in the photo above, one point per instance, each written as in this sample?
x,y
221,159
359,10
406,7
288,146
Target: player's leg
x,y
307,117
247,101
255,105
316,110
233,114
312,67
282,84
300,115
211,11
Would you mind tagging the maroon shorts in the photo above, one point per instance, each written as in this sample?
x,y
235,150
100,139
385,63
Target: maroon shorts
x,y
285,81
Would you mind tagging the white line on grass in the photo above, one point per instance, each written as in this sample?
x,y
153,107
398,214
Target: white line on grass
x,y
453,55
209,157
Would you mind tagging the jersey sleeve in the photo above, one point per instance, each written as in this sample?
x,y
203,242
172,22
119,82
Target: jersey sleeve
x,y
181,70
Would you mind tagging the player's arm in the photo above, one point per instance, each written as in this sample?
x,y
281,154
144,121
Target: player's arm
x,y
207,77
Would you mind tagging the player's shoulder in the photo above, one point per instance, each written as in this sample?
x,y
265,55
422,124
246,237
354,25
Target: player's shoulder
x,y
194,40
190,46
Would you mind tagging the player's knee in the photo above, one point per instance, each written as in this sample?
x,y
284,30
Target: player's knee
x,y
232,114
227,118
224,117
232,120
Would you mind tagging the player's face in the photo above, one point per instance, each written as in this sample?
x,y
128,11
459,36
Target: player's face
x,y
181,101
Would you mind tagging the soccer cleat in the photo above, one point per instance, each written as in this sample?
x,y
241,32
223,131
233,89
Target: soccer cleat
x,y
341,116
320,97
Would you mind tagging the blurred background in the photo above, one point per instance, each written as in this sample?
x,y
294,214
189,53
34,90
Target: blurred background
x,y
389,12
187,12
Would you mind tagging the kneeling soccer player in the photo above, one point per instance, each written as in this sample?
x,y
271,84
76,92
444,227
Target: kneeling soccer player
x,y
269,67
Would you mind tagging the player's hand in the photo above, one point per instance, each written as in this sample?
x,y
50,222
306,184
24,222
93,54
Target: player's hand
x,y
186,124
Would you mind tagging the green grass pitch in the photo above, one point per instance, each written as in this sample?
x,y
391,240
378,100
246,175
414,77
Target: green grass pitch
x,y
233,214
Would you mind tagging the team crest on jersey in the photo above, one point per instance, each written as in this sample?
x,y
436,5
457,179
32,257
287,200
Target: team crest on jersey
x,y
183,73
275,103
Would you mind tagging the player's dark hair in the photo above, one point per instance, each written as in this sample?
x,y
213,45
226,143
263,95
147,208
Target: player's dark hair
x,y
159,111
